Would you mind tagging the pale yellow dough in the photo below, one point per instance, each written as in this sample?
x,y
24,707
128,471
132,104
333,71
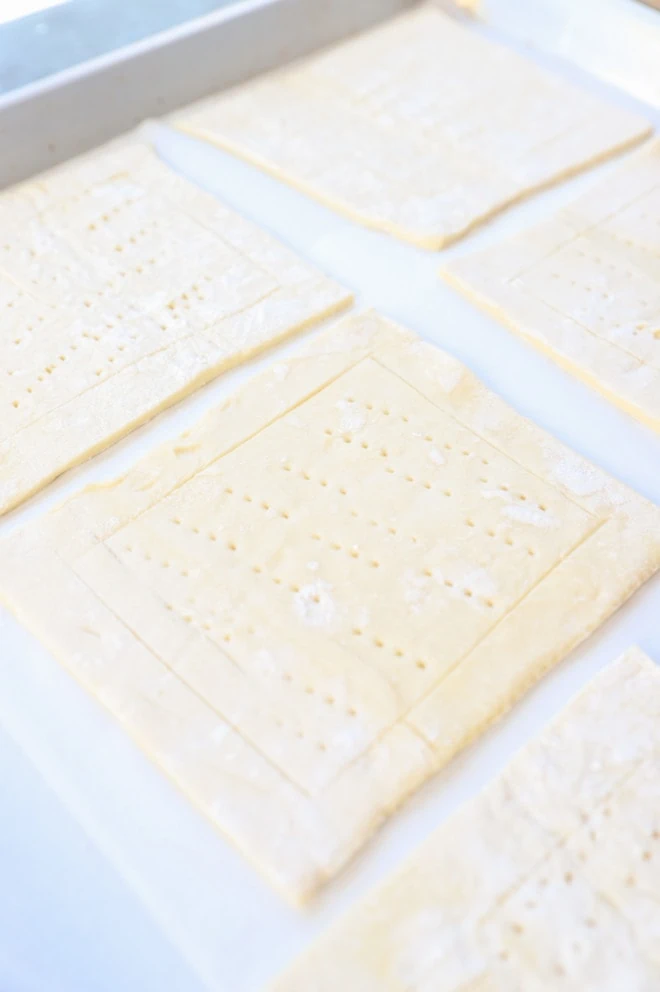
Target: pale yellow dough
x,y
584,285
422,127
122,288
311,601
546,882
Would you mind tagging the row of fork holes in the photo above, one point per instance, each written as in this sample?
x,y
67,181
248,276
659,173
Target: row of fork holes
x,y
287,677
63,357
200,296
629,274
139,269
104,218
327,698
469,522
250,630
426,483
293,587
646,855
61,267
353,550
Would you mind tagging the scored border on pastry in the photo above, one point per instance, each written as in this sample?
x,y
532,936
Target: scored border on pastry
x,y
421,127
123,287
313,599
582,286
546,880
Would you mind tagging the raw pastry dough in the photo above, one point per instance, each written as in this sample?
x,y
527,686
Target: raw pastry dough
x,y
547,881
122,288
584,286
422,127
314,599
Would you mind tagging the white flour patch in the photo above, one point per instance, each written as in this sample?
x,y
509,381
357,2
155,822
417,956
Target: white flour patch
x,y
443,370
496,494
579,477
313,566
479,581
295,420
437,457
219,733
314,605
490,416
280,371
362,617
531,515
266,662
449,374
350,738
422,945
416,590
352,419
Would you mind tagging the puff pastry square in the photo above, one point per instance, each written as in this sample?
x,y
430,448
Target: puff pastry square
x,y
421,127
316,597
122,288
584,285
548,880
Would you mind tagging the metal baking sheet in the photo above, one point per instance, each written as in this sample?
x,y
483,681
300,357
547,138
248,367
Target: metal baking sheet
x,y
63,115
234,932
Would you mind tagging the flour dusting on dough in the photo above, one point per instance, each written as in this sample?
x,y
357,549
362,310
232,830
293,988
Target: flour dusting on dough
x,y
448,374
280,371
578,476
443,369
502,494
314,605
490,415
352,419
531,515
362,617
267,662
437,457
294,419
480,581
219,733
416,589
422,942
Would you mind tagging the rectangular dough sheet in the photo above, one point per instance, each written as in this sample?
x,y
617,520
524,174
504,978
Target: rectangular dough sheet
x,y
421,127
549,881
584,285
310,602
123,287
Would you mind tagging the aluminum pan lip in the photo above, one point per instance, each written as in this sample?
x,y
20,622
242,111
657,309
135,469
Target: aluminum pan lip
x,y
65,114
